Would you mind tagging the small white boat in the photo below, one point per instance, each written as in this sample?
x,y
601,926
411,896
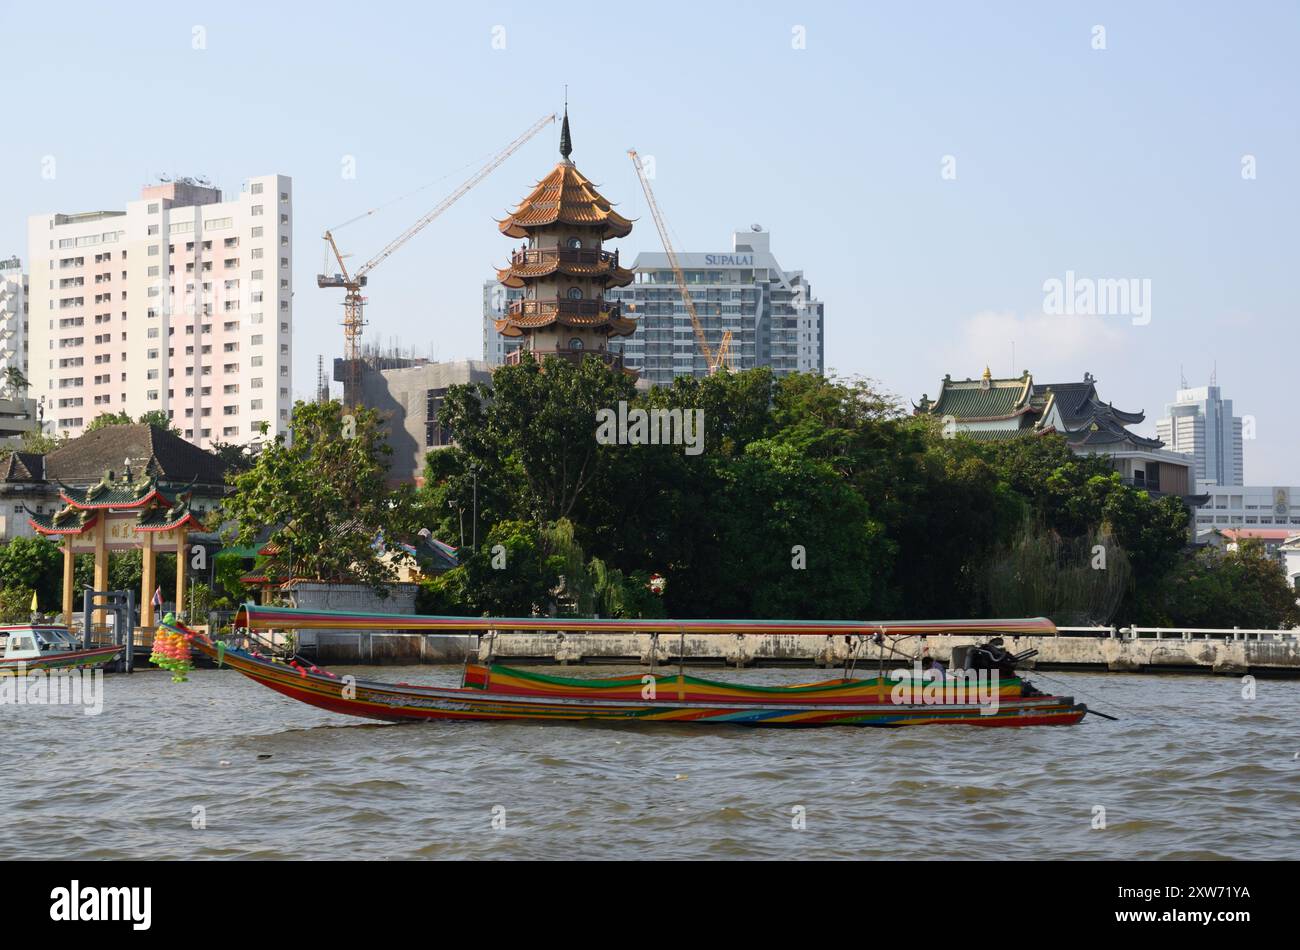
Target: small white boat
x,y
27,647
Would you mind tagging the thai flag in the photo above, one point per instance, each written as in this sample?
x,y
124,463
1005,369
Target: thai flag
x,y
157,597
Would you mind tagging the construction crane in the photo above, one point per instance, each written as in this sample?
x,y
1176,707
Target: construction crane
x,y
354,302
713,359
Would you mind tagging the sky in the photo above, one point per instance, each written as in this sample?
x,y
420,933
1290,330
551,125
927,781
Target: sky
x,y
930,167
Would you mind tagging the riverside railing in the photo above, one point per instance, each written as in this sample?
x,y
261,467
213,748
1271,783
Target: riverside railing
x,y
1179,633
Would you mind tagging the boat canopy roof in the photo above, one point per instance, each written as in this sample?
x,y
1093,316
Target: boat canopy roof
x,y
259,617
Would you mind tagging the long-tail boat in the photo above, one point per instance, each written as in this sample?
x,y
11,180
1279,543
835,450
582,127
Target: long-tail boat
x,y
493,692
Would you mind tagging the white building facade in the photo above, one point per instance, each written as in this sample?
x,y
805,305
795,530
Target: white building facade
x,y
772,315
181,303
1249,506
1200,423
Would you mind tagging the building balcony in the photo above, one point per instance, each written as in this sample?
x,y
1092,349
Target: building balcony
x,y
545,256
582,311
610,358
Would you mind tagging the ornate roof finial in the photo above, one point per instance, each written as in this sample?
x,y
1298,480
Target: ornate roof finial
x,y
988,373
566,141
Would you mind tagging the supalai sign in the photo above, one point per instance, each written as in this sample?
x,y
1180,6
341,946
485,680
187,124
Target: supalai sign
x,y
729,260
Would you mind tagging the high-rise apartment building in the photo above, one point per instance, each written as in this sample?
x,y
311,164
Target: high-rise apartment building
x,y
772,315
13,317
17,410
182,303
1199,422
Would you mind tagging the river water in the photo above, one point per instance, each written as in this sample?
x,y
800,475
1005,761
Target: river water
x,y
1192,770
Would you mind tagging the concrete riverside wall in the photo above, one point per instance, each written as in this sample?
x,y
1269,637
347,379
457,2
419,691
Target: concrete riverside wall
x,y
1281,656
395,647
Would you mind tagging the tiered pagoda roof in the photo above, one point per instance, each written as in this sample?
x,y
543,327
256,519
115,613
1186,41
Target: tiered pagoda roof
x,y
565,196
564,220
571,262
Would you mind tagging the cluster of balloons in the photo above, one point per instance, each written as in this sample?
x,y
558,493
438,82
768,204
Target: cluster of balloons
x,y
171,652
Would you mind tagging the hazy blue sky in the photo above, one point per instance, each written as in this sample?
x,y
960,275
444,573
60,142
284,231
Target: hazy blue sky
x,y
1117,163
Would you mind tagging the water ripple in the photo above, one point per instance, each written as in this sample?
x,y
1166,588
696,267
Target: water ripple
x,y
221,768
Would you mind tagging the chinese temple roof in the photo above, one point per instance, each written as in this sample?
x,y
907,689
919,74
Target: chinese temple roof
x,y
982,400
82,507
1072,409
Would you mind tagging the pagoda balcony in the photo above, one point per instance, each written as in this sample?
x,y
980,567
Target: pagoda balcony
x,y
611,358
545,256
562,308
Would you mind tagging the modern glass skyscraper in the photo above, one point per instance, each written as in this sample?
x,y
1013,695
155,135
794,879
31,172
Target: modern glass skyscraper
x,y
1199,422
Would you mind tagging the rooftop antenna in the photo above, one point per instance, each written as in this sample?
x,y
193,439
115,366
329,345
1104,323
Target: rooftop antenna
x,y
1214,374
1182,376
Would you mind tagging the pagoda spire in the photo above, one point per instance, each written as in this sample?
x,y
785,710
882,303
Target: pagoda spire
x,y
566,141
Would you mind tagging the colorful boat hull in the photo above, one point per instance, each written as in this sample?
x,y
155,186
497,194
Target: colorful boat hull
x,y
72,660
493,693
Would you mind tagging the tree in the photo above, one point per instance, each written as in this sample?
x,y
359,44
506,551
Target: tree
x,y
15,604
156,417
535,440
323,492
34,564
236,458
105,419
15,380
39,443
1215,588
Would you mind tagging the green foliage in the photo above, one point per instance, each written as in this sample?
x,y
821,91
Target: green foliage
x,y
105,419
39,443
34,564
15,604
156,417
1075,581
15,380
126,572
323,490
228,569
1216,588
892,518
199,602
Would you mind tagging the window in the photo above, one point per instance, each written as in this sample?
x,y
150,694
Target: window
x,y
575,344
575,293
255,189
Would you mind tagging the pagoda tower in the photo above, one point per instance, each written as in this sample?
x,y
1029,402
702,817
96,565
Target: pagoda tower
x,y
563,268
